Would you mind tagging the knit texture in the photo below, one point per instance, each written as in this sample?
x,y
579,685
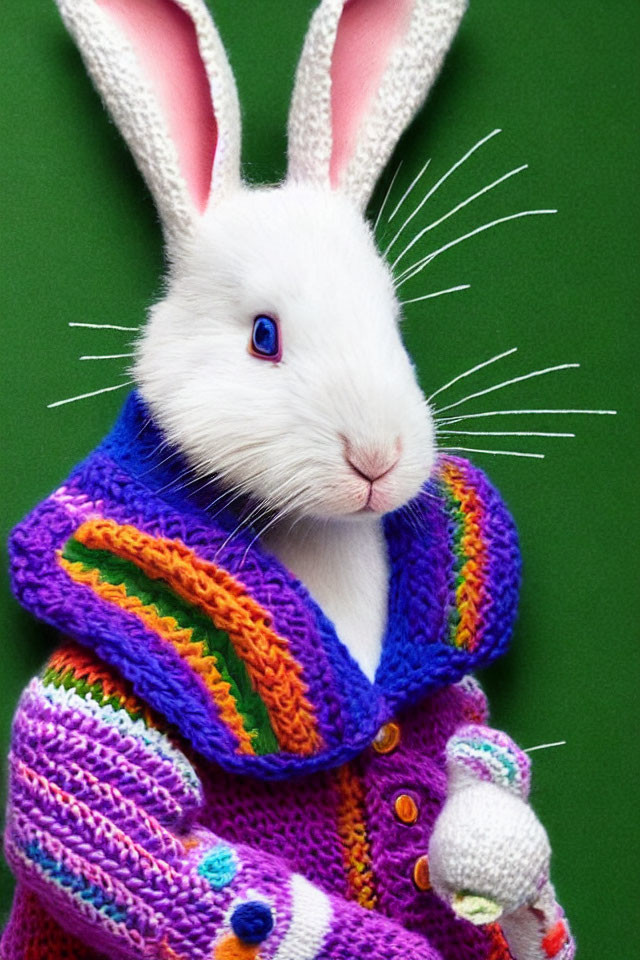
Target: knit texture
x,y
218,636
127,89
109,819
479,753
157,807
412,68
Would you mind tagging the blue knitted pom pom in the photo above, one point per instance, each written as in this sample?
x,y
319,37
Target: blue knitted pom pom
x,y
252,922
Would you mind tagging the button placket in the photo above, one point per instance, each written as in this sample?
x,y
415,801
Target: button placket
x,y
406,809
387,738
420,874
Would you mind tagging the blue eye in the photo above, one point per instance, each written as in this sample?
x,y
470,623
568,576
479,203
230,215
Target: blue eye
x,y
265,338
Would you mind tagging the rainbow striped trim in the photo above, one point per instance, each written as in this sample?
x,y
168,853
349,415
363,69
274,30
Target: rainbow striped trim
x,y
74,679
76,669
470,567
210,620
219,638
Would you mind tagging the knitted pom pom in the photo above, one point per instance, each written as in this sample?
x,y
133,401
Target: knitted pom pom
x,y
252,922
219,866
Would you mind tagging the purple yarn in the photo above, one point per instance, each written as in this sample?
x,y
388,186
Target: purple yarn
x,y
103,814
130,482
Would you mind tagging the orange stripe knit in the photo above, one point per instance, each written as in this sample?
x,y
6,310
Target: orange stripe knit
x,y
230,948
168,629
274,672
353,835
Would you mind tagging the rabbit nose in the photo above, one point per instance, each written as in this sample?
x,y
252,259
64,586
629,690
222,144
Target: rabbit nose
x,y
370,462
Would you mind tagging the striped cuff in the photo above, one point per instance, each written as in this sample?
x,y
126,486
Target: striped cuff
x,y
311,916
481,753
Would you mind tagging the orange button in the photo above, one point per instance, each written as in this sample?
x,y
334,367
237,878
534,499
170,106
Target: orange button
x,y
387,738
421,873
405,809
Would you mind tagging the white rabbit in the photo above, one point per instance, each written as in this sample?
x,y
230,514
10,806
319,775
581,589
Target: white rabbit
x,y
310,434
274,361
343,407
304,434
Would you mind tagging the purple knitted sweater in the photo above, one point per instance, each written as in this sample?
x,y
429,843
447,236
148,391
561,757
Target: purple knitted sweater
x,y
202,772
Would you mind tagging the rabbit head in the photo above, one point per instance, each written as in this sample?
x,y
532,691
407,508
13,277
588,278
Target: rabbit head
x,y
274,360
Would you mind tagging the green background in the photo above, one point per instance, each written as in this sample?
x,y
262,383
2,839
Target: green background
x,y
80,242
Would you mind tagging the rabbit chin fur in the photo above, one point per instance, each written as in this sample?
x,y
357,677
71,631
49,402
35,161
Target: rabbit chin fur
x,y
280,431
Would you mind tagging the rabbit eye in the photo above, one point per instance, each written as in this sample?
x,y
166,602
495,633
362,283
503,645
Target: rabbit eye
x,y
265,338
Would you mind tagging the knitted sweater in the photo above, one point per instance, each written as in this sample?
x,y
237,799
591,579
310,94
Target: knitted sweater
x,y
202,772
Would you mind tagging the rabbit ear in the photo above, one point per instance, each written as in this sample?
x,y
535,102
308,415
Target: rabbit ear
x,y
366,68
161,70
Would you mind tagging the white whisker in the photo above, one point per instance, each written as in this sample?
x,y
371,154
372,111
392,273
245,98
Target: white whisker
x,y
243,520
93,393
508,383
460,206
143,428
261,532
176,480
103,326
437,185
467,373
161,445
504,413
386,197
261,510
417,267
498,453
408,190
106,356
229,497
170,456
234,533
545,746
501,433
439,293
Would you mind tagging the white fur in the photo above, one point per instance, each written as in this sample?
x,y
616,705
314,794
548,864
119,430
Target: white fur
x,y
301,437
307,439
344,565
278,431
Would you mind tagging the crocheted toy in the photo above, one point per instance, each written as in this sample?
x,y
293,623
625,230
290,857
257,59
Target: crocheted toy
x,y
260,738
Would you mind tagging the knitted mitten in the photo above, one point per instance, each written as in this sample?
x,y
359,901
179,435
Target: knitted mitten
x,y
489,854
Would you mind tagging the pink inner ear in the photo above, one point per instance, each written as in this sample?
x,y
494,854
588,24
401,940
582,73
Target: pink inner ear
x,y
165,42
367,33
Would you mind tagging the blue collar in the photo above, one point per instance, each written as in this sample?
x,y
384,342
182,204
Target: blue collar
x,y
289,697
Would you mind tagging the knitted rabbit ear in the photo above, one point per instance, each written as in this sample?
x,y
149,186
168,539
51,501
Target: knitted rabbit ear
x,y
161,70
366,68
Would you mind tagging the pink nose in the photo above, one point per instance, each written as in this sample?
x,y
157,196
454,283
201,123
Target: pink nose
x,y
370,462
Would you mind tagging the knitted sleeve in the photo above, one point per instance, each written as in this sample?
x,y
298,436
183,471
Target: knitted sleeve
x,y
102,827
